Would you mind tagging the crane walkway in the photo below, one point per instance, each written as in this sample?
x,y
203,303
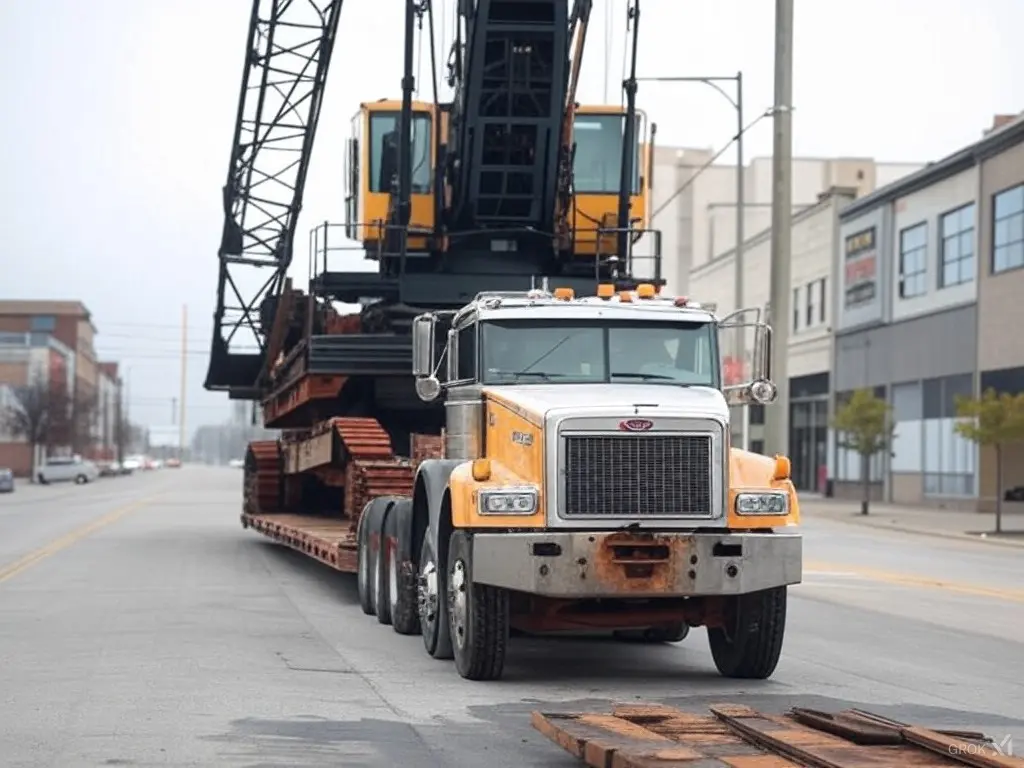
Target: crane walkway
x,y
736,736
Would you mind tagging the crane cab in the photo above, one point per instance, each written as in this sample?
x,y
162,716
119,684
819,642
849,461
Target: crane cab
x,y
372,156
371,162
597,134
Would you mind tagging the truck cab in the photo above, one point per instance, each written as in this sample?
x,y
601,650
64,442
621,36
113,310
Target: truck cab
x,y
589,480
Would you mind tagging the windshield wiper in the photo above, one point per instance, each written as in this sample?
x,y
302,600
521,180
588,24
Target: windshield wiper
x,y
644,376
546,354
538,374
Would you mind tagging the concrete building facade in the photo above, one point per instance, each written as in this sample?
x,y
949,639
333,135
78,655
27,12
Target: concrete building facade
x,y
927,290
814,238
694,204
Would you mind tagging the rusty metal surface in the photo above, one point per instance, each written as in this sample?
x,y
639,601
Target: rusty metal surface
x,y
262,491
330,541
371,467
642,562
365,464
734,736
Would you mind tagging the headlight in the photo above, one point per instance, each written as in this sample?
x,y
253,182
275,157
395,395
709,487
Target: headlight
x,y
508,501
772,503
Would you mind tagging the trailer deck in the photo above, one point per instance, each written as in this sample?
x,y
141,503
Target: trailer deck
x,y
329,540
736,736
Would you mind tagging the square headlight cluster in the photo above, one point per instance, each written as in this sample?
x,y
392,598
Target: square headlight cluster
x,y
508,501
768,503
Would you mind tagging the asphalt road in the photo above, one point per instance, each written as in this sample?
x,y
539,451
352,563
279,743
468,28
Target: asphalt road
x,y
140,625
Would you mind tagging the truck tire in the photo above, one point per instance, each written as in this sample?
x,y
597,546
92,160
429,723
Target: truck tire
x,y
400,569
478,615
750,644
379,574
431,603
370,521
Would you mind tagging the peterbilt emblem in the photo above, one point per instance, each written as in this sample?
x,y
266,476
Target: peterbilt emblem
x,y
636,425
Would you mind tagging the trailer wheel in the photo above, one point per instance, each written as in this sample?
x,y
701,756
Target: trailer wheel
x,y
401,569
750,644
478,615
370,521
379,575
430,602
363,562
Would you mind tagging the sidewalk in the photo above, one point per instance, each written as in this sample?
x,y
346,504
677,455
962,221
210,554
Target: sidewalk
x,y
929,521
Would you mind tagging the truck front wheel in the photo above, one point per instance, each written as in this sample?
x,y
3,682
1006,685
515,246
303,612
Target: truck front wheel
x,y
749,644
478,615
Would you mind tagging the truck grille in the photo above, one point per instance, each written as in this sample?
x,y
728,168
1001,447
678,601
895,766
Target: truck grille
x,y
638,475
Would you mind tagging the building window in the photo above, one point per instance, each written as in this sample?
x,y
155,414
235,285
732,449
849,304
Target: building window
x,y
1008,238
956,246
45,323
815,302
948,459
796,309
914,261
756,415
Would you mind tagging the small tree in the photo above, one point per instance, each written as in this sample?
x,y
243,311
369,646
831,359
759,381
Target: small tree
x,y
29,416
993,419
863,426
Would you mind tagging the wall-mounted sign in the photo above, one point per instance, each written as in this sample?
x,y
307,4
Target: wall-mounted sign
x,y
861,268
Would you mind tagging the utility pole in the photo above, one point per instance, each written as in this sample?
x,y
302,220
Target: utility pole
x,y
776,419
184,379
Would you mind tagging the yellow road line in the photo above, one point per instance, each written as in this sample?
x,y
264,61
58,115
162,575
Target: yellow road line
x,y
910,580
23,564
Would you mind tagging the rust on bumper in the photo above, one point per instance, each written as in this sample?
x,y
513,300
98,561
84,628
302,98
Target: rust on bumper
x,y
582,564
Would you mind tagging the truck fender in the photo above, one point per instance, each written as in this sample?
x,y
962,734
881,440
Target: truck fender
x,y
428,494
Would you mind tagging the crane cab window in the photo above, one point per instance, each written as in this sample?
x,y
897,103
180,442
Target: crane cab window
x,y
384,128
598,160
627,351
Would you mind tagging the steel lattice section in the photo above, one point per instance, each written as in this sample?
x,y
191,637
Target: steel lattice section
x,y
288,52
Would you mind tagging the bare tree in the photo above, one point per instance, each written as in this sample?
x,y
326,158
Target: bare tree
x,y
30,416
84,409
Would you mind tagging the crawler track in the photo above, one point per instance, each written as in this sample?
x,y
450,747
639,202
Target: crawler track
x,y
733,736
367,467
263,478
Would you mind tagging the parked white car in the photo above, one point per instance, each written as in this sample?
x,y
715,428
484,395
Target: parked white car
x,y
73,469
133,462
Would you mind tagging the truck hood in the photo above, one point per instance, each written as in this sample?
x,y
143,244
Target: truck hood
x,y
541,399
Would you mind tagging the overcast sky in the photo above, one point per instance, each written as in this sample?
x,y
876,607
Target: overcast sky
x,y
117,127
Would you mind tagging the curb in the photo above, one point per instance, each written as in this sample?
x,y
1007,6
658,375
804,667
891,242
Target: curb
x,y
947,535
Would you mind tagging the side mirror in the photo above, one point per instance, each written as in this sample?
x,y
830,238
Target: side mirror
x,y
760,389
428,387
423,345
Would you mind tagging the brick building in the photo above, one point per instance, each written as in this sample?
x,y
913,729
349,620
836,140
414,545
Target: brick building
x,y
50,345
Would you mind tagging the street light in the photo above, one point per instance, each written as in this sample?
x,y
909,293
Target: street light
x,y
737,104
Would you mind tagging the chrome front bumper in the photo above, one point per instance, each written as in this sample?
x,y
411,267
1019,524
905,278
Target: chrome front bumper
x,y
620,564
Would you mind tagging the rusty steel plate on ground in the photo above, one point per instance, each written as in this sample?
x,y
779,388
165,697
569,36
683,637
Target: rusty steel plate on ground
x,y
735,736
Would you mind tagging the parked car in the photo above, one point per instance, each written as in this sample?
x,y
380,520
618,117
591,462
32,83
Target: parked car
x,y
236,464
6,480
132,463
110,469
67,469
173,463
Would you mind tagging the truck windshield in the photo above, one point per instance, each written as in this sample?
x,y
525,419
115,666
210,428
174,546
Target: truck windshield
x,y
536,351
